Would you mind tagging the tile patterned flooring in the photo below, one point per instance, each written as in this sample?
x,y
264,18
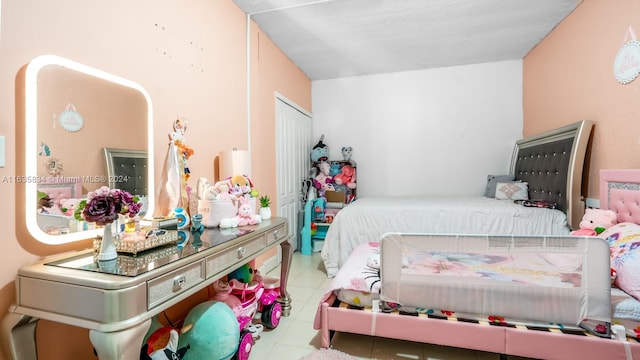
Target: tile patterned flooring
x,y
295,337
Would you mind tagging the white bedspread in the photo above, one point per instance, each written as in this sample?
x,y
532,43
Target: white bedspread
x,y
368,219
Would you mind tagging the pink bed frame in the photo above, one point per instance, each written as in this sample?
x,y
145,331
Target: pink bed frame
x,y
619,190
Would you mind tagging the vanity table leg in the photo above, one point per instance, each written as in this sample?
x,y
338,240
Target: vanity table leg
x,y
18,336
284,298
125,344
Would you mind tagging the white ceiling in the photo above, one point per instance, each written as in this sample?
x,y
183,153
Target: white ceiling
x,y
337,38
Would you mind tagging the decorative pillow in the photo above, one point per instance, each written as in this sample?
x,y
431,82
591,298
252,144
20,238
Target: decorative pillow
x,y
492,181
512,191
624,240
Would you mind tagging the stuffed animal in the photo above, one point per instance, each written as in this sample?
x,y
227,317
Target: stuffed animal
x,y
163,345
223,188
44,202
346,177
347,151
335,169
227,223
245,217
595,221
205,190
211,331
68,206
320,151
240,185
323,181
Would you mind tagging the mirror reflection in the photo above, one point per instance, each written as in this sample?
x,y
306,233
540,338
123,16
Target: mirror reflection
x,y
76,118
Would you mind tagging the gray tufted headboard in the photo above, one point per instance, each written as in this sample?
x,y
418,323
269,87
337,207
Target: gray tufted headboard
x,y
552,164
127,170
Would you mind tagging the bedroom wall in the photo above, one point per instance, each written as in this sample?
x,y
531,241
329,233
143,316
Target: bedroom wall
x,y
189,55
437,131
569,77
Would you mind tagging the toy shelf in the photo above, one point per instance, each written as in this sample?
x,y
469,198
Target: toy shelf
x,y
311,220
319,212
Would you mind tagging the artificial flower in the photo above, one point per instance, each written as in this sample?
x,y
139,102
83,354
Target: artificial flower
x,y
104,205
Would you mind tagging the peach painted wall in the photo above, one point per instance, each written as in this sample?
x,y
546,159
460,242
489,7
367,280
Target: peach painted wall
x,y
191,58
569,77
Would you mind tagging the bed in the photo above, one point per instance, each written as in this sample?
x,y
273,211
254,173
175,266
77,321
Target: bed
x,y
62,192
550,164
351,302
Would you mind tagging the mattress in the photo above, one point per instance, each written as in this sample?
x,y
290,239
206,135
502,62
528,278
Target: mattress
x,y
367,219
561,280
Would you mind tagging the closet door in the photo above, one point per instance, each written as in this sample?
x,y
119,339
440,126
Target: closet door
x,y
293,146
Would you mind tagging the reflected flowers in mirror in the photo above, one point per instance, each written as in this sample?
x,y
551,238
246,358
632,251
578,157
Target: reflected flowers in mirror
x,y
103,206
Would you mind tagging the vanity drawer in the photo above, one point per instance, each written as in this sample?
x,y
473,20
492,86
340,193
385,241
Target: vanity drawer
x,y
277,233
171,284
237,254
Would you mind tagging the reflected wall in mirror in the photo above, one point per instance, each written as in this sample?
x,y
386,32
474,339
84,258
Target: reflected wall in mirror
x,y
72,113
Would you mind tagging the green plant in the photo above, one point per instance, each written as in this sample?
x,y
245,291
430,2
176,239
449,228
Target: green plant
x,y
265,201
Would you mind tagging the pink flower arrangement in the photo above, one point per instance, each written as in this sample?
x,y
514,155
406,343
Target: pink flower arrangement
x,y
104,205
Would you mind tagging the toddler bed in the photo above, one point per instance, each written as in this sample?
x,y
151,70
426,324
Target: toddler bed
x,y
474,324
549,165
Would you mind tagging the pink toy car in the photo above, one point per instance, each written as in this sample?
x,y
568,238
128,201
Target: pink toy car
x,y
246,300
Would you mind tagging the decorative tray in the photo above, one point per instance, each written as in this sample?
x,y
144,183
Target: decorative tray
x,y
134,243
130,264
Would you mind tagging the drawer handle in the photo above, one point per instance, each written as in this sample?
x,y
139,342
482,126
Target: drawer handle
x,y
178,282
241,252
275,235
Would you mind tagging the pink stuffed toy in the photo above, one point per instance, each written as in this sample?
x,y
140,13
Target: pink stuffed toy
x,y
245,217
323,181
595,221
346,177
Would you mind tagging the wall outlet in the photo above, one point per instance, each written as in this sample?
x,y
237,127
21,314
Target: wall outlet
x,y
592,203
2,151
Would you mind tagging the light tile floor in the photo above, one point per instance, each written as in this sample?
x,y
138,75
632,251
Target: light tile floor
x,y
295,337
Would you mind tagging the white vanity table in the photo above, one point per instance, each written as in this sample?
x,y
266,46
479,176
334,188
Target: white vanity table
x,y
117,300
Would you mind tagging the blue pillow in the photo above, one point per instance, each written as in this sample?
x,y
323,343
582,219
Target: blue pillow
x,y
493,180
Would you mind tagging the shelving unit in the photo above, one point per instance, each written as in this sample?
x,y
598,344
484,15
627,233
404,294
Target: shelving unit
x,y
315,215
310,239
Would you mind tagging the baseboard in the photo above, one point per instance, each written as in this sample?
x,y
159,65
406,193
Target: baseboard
x,y
270,263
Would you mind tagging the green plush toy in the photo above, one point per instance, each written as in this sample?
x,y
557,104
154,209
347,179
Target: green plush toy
x,y
243,274
210,331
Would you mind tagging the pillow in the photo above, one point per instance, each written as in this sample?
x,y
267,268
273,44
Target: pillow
x,y
624,240
492,181
512,191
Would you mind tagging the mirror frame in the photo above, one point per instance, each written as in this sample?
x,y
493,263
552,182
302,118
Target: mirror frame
x,y
31,144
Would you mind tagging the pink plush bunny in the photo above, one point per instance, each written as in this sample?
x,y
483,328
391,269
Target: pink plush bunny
x,y
245,217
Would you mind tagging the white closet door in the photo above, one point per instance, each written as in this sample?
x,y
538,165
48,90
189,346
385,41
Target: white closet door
x,y
293,146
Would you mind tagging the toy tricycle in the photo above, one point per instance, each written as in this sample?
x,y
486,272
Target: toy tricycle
x,y
246,300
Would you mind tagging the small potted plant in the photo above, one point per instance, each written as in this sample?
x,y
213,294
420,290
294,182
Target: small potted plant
x,y
265,210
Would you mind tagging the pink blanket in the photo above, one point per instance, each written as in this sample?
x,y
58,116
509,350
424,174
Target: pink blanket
x,y
358,281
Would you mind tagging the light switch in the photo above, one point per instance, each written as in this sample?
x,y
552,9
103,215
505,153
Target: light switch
x,y
2,151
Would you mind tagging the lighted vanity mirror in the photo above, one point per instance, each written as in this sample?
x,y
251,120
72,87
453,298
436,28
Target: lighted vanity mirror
x,y
72,114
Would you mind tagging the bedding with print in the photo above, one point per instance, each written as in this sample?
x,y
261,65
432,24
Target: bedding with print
x,y
544,279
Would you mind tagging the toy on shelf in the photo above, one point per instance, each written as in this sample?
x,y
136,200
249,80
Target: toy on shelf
x,y
247,299
347,152
346,177
319,206
320,151
323,181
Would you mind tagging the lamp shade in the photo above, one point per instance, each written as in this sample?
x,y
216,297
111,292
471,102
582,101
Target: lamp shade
x,y
234,162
